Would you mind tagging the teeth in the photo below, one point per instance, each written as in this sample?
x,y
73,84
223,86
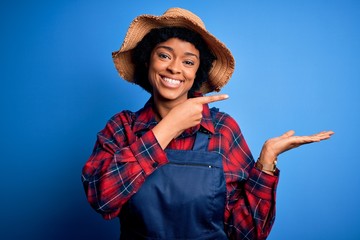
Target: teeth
x,y
171,81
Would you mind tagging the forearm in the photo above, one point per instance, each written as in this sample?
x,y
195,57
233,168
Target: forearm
x,y
165,131
253,212
110,178
260,190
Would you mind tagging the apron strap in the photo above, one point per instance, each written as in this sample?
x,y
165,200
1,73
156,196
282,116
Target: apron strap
x,y
201,141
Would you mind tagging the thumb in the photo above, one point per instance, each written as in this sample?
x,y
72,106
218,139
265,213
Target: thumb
x,y
288,134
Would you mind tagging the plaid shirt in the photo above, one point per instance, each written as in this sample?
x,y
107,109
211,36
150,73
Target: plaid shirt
x,y
127,152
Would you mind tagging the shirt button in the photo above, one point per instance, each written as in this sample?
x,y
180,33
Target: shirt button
x,y
155,164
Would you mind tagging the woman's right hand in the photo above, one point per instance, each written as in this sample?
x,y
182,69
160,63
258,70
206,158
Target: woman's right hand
x,y
189,113
183,116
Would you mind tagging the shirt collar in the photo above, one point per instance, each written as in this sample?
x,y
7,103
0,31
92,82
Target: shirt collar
x,y
144,120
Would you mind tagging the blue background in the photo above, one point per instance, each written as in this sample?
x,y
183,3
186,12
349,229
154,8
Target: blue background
x,y
297,67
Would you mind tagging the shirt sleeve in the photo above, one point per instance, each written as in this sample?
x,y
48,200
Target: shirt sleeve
x,y
251,193
119,164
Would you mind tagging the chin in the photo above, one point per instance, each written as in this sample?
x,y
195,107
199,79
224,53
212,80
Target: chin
x,y
172,96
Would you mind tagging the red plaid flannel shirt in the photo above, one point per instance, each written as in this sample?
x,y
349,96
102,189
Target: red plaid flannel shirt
x,y
122,160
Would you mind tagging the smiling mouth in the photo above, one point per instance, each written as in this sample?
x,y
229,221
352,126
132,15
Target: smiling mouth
x,y
172,82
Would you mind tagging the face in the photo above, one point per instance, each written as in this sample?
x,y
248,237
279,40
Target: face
x,y
172,69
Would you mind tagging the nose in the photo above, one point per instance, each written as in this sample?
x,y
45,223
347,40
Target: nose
x,y
174,66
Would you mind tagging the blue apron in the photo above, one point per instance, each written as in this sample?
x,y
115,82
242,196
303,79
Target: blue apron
x,y
184,199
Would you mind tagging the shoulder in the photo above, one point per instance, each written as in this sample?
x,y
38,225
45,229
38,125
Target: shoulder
x,y
134,121
124,117
223,121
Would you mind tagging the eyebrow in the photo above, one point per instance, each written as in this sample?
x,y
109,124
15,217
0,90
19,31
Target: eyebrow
x,y
172,50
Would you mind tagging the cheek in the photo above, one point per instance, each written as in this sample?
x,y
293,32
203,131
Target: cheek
x,y
151,79
191,74
151,73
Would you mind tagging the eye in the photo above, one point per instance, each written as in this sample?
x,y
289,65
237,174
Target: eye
x,y
188,62
163,56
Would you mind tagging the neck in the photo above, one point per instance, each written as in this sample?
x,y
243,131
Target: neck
x,y
163,106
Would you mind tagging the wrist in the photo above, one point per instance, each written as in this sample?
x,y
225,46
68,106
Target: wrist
x,y
164,134
267,154
266,167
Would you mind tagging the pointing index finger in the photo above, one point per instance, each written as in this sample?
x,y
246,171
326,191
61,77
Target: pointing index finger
x,y
213,98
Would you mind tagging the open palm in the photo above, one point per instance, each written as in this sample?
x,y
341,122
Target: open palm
x,y
275,146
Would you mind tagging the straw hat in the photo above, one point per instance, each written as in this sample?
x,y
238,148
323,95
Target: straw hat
x,y
222,68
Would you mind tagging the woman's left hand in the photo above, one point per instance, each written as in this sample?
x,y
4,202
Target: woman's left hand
x,y
273,147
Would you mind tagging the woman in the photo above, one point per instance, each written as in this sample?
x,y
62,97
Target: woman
x,y
176,169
